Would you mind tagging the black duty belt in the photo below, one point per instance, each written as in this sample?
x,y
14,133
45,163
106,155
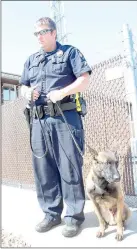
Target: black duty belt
x,y
52,109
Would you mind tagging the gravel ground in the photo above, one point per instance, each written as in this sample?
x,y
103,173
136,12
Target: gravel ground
x,y
11,240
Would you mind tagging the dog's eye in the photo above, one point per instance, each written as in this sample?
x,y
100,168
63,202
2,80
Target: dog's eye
x,y
109,162
117,163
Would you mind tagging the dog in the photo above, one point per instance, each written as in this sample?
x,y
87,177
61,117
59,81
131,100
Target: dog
x,y
103,188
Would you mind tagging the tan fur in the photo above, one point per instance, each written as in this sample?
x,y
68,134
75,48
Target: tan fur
x,y
108,202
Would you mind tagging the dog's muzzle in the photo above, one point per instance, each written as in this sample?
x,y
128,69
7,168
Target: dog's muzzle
x,y
116,178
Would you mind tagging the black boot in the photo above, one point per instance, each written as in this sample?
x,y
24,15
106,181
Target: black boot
x,y
70,230
46,225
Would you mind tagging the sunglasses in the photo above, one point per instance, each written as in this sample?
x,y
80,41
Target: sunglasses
x,y
42,32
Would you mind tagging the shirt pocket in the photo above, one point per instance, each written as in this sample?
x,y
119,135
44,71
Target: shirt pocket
x,y
59,66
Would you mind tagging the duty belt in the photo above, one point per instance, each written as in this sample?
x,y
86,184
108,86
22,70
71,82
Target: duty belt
x,y
52,109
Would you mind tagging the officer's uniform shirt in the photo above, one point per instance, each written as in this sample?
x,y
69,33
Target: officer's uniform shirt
x,y
53,70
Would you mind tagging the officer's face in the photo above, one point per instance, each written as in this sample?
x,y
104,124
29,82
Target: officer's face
x,y
45,36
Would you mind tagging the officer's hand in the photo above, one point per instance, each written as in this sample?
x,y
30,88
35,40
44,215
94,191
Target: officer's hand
x,y
31,92
35,95
56,95
28,91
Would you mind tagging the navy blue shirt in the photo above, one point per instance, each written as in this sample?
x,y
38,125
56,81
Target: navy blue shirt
x,y
53,70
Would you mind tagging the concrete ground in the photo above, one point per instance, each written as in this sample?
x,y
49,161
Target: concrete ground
x,y
21,212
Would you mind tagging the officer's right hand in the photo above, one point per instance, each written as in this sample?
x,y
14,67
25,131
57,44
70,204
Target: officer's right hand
x,y
29,92
35,95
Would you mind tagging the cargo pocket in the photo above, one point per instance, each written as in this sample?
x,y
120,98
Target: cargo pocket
x,y
79,137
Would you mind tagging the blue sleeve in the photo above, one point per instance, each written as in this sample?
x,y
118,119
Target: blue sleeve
x,y
25,74
78,63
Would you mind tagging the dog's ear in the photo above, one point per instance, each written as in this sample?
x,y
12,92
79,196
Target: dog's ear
x,y
114,148
93,152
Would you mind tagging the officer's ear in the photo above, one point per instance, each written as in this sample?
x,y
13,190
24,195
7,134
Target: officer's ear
x,y
54,33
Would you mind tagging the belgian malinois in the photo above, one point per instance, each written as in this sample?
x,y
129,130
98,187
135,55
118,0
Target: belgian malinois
x,y
103,188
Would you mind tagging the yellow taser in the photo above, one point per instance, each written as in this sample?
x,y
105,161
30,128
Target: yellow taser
x,y
78,104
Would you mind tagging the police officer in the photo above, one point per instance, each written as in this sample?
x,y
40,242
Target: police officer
x,y
56,72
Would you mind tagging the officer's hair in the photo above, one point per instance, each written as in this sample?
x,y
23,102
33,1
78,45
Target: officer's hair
x,y
46,21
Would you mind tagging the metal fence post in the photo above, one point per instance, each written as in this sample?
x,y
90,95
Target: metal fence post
x,y
131,93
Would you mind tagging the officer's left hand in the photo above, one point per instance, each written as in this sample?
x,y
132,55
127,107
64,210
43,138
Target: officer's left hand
x,y
56,95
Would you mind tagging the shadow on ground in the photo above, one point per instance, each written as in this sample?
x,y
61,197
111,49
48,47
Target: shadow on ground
x,y
130,228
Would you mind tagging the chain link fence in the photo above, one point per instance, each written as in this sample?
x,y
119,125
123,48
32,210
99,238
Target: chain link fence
x,y
106,125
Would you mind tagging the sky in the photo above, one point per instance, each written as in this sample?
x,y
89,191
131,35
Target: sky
x,y
95,28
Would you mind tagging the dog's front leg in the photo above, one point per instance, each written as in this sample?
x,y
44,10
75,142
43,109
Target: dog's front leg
x,y
102,223
120,207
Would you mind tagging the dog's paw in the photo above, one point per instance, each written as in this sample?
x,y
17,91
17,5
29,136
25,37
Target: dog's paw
x,y
100,234
119,237
103,226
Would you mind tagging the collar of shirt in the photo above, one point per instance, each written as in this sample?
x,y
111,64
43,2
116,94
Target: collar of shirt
x,y
46,54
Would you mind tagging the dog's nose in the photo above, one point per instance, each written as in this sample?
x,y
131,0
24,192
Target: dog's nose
x,y
116,178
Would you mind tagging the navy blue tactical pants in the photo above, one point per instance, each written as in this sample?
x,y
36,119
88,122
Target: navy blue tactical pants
x,y
58,176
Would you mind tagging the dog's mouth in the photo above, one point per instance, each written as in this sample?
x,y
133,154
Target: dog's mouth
x,y
117,180
113,180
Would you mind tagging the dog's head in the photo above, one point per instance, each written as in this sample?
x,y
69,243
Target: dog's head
x,y
105,165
